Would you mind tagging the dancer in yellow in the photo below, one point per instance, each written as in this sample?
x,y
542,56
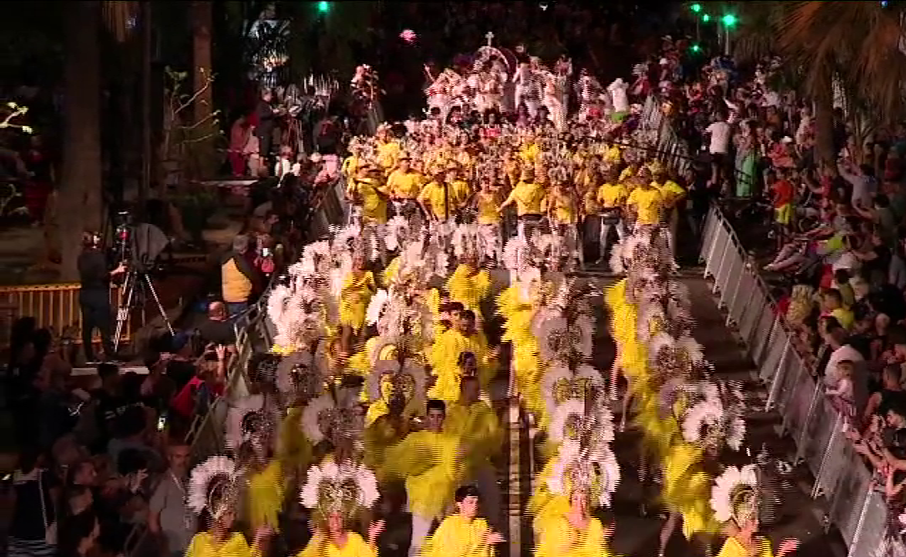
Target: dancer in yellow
x,y
575,533
734,500
368,191
476,423
358,288
428,460
214,494
337,491
463,534
263,472
528,196
446,357
469,284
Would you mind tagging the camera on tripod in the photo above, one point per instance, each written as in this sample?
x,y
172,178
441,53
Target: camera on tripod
x,y
138,247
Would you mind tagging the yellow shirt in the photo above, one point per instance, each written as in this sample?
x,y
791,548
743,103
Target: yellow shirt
x,y
563,207
458,537
437,199
733,548
204,545
319,546
845,317
528,198
612,154
486,203
371,193
647,203
387,154
461,191
404,184
670,191
350,166
612,196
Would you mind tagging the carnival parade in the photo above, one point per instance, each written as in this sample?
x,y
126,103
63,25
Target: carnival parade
x,y
456,285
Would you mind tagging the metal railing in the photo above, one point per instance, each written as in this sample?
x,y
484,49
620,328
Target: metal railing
x,y
842,479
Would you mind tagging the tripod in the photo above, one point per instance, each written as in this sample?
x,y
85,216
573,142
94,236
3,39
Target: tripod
x,y
136,278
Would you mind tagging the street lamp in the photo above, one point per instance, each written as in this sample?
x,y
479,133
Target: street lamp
x,y
706,18
323,7
696,7
729,21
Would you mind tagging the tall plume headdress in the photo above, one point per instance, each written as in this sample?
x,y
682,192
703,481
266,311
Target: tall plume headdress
x,y
585,461
338,487
735,495
213,486
717,419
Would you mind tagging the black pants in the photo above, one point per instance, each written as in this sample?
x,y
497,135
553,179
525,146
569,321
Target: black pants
x,y
96,314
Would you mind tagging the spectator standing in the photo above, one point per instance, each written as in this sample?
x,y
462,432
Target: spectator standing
x,y
94,294
719,147
264,130
237,276
169,518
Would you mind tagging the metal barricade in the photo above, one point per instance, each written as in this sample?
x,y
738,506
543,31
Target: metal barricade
x,y
841,477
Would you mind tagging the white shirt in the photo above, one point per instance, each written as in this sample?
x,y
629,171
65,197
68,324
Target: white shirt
x,y
619,96
720,137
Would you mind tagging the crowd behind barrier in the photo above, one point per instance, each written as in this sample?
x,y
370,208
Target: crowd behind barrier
x,y
842,479
254,333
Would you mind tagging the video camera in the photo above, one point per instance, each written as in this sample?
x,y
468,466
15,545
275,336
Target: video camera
x,y
138,246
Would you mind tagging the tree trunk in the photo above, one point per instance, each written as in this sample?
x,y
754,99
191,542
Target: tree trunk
x,y
824,121
202,14
80,189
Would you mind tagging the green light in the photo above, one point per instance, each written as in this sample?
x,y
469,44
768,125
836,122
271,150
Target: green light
x,y
323,7
729,20
706,18
696,48
696,8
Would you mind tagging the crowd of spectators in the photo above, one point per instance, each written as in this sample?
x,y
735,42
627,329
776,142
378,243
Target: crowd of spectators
x,y
100,455
838,221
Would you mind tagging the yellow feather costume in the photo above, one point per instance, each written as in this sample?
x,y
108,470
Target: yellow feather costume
x,y
469,287
204,545
429,463
358,288
319,546
560,539
458,537
266,496
444,360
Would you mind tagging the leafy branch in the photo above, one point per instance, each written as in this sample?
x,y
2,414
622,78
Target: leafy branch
x,y
16,110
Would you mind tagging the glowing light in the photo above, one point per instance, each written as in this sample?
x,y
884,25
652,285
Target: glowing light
x,y
706,18
696,7
729,20
323,7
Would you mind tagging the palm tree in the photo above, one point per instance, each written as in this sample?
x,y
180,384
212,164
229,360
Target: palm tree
x,y
857,45
80,201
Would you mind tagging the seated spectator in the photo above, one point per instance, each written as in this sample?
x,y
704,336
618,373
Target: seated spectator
x,y
217,328
832,305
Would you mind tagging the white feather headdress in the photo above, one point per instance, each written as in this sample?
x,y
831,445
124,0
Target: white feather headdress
x,y
734,495
212,486
573,419
302,374
717,419
559,384
342,487
249,417
409,380
595,471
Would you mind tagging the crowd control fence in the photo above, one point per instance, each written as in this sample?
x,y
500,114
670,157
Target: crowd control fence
x,y
842,479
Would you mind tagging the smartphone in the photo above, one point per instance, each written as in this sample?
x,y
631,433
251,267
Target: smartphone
x,y
162,421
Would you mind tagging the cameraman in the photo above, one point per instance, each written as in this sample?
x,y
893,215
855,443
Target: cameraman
x,y
94,295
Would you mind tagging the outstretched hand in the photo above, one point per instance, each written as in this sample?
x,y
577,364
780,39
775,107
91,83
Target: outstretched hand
x,y
493,537
375,530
